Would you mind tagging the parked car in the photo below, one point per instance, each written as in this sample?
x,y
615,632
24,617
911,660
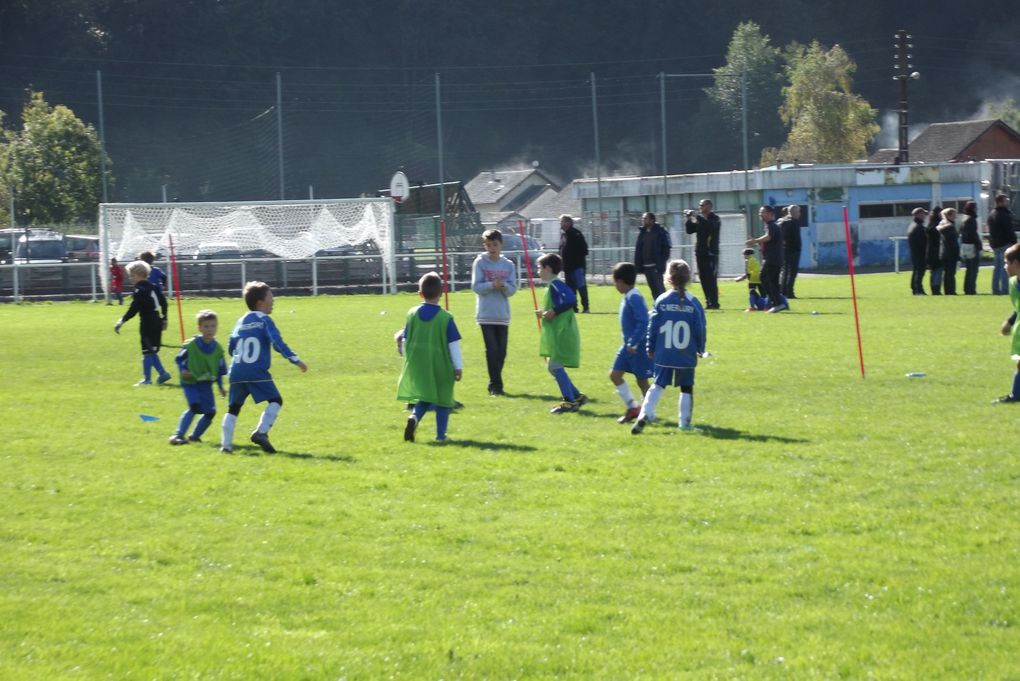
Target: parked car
x,y
8,237
217,250
512,242
82,247
42,247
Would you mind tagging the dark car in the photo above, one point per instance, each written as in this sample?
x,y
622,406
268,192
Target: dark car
x,y
81,247
512,245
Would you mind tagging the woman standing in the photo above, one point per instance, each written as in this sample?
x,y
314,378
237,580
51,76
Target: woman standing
x,y
970,248
949,250
932,252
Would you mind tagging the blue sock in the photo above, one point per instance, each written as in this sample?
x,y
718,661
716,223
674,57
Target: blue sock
x,y
442,418
147,367
420,408
567,389
203,424
157,365
185,422
1015,393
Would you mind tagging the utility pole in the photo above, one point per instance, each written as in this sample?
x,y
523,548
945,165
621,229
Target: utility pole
x,y
902,67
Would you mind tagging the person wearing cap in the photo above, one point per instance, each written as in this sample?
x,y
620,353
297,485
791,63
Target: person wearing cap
x,y
1000,237
917,240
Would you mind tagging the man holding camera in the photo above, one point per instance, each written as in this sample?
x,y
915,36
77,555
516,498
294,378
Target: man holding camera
x,y
705,225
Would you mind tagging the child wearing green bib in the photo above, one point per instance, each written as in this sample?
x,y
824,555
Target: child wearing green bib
x,y
430,343
201,362
560,342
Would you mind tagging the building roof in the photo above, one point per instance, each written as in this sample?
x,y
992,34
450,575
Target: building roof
x,y
941,142
553,204
489,186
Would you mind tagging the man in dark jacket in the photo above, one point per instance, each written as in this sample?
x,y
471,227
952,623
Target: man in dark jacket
x,y
789,229
651,253
706,249
917,240
573,251
771,244
1000,237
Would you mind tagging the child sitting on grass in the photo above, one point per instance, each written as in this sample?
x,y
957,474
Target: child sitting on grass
x,y
430,343
201,362
675,340
148,303
752,273
560,342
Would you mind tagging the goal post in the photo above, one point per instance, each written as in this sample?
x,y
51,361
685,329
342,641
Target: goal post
x,y
294,230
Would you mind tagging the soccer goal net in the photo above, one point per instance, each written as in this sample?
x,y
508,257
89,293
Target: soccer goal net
x,y
293,230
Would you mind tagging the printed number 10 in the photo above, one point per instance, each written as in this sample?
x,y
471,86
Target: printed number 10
x,y
247,350
678,334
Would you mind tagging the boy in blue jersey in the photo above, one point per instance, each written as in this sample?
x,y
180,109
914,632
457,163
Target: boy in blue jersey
x,y
201,363
631,358
430,343
156,275
675,340
148,303
560,342
251,342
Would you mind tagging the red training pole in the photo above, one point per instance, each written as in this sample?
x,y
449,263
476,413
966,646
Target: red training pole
x,y
853,287
177,287
527,264
442,241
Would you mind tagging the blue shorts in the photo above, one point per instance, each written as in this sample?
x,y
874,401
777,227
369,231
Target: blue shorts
x,y
667,376
200,394
636,363
260,391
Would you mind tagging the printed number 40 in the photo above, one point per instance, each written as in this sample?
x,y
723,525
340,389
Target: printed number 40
x,y
678,334
247,350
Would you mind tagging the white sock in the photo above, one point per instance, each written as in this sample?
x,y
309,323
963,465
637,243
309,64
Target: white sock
x,y
651,399
623,390
686,408
227,430
268,417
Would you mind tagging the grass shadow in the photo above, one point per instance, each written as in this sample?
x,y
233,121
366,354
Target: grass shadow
x,y
489,446
721,433
256,452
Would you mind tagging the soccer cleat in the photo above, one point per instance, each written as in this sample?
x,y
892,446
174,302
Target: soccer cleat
x,y
581,400
262,440
178,440
1005,399
226,450
163,379
192,438
564,407
689,429
143,382
631,414
638,426
412,424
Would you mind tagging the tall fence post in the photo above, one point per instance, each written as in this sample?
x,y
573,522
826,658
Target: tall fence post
x,y
315,275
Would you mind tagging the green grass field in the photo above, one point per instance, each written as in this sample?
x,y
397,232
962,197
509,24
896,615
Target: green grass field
x,y
820,525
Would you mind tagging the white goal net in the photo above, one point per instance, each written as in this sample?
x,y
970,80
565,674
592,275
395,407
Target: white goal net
x,y
287,229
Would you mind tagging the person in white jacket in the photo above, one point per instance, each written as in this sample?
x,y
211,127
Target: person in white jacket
x,y
494,280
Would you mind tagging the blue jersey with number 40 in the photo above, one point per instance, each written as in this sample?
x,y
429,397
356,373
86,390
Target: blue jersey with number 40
x,y
250,348
676,330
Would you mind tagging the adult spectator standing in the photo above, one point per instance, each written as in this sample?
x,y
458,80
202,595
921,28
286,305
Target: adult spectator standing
x,y
789,229
573,252
970,248
705,225
949,250
917,240
1000,237
932,248
652,252
771,244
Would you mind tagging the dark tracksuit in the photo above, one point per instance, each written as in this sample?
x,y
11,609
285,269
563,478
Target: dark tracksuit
x,y
573,251
917,240
706,254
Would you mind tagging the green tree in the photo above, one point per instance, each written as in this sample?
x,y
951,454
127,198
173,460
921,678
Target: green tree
x,y
1006,110
751,53
53,165
828,122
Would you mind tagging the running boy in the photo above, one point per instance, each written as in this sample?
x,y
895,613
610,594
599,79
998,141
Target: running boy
x,y
430,343
752,273
560,342
675,340
250,343
631,358
201,362
494,280
148,303
156,275
1011,263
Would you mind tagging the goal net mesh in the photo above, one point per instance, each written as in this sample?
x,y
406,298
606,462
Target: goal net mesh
x,y
292,230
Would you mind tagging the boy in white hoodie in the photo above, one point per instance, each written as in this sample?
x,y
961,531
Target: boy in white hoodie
x,y
494,280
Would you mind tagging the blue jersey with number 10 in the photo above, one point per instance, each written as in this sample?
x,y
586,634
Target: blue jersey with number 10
x,y
676,330
250,343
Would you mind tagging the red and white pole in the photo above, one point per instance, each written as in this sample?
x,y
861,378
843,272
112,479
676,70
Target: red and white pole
x,y
527,265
